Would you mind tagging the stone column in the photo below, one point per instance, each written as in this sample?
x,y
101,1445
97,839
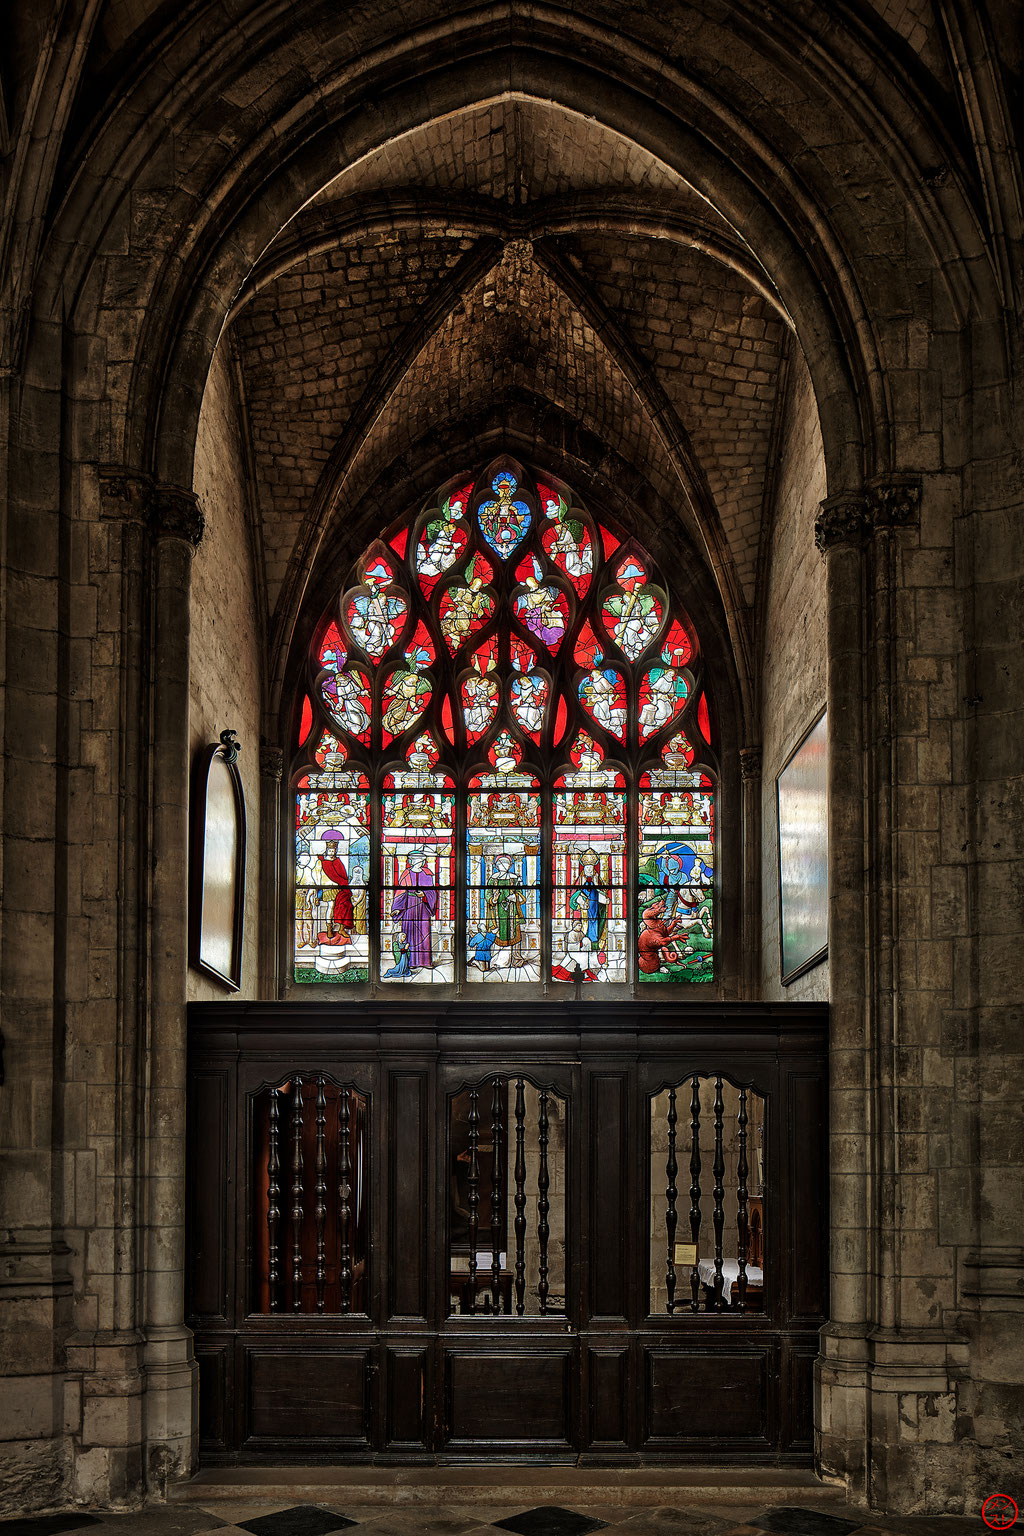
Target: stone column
x,y
271,768
750,771
841,1408
170,1420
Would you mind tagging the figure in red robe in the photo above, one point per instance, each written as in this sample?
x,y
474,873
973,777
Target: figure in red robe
x,y
339,928
654,943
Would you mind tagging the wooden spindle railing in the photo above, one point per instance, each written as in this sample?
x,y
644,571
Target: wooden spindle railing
x,y
344,1199
320,1209
543,1203
297,1211
274,1201
741,1204
520,1197
718,1214
474,1193
695,1190
497,1188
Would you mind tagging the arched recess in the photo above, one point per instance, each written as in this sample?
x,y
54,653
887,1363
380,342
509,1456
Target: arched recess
x,y
639,514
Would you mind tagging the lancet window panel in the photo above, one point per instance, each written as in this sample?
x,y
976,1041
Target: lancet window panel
x,y
504,768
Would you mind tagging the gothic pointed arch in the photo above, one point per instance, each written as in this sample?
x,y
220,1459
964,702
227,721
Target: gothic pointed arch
x,y
505,765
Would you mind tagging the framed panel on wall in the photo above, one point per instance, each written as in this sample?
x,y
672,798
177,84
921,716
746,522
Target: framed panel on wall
x,y
802,810
217,886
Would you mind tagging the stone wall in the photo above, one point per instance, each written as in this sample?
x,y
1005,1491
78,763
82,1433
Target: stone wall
x,y
226,657
794,655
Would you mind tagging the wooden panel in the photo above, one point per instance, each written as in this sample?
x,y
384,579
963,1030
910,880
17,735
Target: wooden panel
x,y
798,1398
609,1241
208,1211
214,1432
316,1395
717,1394
407,1398
608,1373
808,1223
408,1195
521,1397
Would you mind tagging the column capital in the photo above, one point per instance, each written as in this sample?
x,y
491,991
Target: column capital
x,y
271,761
842,519
174,513
750,763
894,500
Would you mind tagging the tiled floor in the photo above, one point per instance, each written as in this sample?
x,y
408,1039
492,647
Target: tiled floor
x,y
269,1518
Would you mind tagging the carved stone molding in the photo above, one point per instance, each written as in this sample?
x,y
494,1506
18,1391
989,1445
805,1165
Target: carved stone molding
x,y
271,761
895,501
750,763
175,514
124,493
842,519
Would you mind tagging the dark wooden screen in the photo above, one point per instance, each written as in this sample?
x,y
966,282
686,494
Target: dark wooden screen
x,y
550,1230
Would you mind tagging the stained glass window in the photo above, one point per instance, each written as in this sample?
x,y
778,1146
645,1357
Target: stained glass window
x,y
505,769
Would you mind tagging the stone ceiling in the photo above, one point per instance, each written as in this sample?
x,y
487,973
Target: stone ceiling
x,y
512,249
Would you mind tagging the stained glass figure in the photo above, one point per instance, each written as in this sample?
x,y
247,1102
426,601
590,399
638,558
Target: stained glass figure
x,y
417,898
675,899
633,614
662,695
602,692
503,875
480,698
347,696
544,611
332,862
588,926
566,540
406,695
528,699
466,607
443,541
375,613
505,520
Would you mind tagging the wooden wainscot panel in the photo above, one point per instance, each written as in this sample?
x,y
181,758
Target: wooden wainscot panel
x,y
798,1397
213,1365
608,1371
321,1395
406,1399
808,1182
508,1397
408,1191
717,1395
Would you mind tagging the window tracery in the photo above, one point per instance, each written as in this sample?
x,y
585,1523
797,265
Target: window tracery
x,y
505,770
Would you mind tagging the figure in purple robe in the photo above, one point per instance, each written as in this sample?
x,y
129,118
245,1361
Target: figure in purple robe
x,y
414,905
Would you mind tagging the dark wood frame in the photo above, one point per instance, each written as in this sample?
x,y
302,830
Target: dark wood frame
x,y
405,1381
820,954
226,752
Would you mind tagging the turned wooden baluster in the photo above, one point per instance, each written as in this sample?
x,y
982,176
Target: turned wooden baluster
x,y
520,1197
671,1169
474,1194
344,1199
320,1209
297,1195
497,1138
741,1205
273,1201
694,1189
543,1204
718,1216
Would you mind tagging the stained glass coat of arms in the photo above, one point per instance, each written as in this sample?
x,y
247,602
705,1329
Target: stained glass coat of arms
x,y
504,771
